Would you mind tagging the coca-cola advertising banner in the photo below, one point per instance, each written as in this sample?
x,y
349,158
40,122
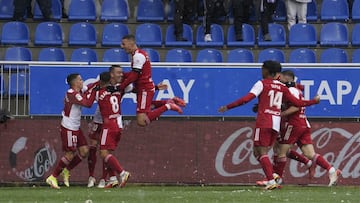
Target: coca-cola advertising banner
x,y
205,89
177,151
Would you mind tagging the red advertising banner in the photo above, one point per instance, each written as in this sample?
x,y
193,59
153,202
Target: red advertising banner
x,y
170,151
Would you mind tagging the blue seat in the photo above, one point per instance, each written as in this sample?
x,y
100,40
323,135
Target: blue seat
x,y
334,10
15,33
113,34
48,33
83,34
148,34
115,55
248,36
302,55
356,56
277,33
153,54
271,54
312,14
18,54
56,9
356,10
114,10
170,38
217,35
6,9
150,10
355,39
2,86
280,11
240,56
51,54
334,34
84,55
82,10
302,35
334,55
19,84
209,56
178,55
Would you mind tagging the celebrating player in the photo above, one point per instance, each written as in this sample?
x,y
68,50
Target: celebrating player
x,y
109,105
270,93
71,135
297,130
140,75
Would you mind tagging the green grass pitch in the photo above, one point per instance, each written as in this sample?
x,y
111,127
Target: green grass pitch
x,y
181,194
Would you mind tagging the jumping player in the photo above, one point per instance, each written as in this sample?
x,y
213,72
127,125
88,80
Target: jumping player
x,y
140,76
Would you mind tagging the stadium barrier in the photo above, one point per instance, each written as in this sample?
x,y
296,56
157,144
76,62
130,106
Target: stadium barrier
x,y
213,149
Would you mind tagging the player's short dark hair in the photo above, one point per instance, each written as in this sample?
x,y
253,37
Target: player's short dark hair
x,y
112,67
105,77
272,66
71,77
289,73
129,37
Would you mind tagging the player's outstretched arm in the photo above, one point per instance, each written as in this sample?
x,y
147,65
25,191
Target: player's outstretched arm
x,y
298,102
131,77
161,86
239,102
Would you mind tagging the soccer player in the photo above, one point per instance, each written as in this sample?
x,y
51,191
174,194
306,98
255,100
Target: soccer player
x,y
270,93
71,135
140,76
297,130
109,105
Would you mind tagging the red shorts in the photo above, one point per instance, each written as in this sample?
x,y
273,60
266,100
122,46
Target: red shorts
x,y
71,140
94,130
110,137
264,137
292,134
144,99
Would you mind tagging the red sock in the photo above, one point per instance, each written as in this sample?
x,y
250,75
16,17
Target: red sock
x,y
280,165
275,164
74,162
152,115
266,166
105,171
292,154
63,162
319,160
92,160
158,103
113,163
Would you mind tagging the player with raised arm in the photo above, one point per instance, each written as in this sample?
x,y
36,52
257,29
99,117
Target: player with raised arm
x,y
297,130
270,93
140,76
71,135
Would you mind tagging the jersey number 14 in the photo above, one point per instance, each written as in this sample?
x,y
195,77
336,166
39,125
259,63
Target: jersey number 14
x,y
275,98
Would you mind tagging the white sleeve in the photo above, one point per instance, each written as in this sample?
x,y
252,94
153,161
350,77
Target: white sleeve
x,y
257,88
295,92
138,61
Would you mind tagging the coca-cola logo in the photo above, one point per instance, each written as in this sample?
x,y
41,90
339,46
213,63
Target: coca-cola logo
x,y
341,148
44,159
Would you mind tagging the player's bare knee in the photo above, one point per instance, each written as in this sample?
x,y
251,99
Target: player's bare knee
x,y
104,153
83,151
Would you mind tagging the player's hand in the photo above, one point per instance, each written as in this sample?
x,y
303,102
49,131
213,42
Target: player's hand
x,y
222,109
162,86
317,99
255,108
